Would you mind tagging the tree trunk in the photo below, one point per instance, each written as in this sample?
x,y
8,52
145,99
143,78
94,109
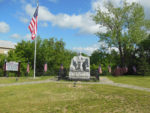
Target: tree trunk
x,y
120,50
125,54
121,54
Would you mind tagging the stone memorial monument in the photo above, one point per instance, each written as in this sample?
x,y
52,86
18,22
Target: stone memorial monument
x,y
80,68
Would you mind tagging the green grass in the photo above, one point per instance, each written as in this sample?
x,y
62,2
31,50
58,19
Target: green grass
x,y
64,98
143,81
7,80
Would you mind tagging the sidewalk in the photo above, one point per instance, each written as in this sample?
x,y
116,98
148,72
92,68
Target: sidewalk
x,y
103,80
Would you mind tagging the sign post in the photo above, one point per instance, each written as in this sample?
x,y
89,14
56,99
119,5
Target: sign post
x,y
4,68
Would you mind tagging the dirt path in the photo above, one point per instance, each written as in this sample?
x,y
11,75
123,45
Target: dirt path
x,y
103,80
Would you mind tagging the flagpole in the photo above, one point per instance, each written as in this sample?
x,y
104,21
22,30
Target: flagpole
x,y
35,57
35,49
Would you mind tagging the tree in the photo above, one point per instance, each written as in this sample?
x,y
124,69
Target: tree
x,y
104,59
143,52
126,27
2,60
143,66
145,46
23,52
50,51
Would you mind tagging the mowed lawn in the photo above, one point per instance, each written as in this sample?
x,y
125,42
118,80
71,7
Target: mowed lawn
x,y
8,80
143,81
64,98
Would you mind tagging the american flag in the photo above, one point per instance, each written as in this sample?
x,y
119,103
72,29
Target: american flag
x,y
109,69
134,69
28,68
126,69
45,67
100,69
33,24
61,67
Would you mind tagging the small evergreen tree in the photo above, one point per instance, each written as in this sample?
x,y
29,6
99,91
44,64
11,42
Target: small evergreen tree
x,y
143,67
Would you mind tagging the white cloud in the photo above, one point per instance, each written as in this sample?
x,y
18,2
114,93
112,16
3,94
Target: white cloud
x,y
21,37
4,27
23,1
24,20
87,50
27,37
7,44
90,49
54,1
82,22
146,5
100,3
17,36
44,24
114,48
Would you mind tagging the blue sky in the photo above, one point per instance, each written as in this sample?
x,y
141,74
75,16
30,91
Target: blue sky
x,y
69,20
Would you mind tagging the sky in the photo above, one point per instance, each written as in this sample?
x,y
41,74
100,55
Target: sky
x,y
69,20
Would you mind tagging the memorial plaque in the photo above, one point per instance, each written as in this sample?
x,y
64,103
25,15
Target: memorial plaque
x,y
80,68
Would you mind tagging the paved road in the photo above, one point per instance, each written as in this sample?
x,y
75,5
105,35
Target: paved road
x,y
103,80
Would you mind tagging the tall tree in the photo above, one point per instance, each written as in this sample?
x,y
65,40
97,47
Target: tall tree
x,y
126,26
144,48
50,51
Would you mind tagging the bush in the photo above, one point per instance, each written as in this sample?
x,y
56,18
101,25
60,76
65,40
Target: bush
x,y
143,67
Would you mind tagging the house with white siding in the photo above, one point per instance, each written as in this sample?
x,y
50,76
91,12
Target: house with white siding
x,y
5,46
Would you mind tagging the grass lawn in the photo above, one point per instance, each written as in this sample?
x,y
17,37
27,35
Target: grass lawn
x,y
64,98
143,81
7,80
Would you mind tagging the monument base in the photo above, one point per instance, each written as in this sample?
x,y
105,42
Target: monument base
x,y
79,75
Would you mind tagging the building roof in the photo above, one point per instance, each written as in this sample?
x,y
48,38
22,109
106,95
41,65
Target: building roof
x,y
7,44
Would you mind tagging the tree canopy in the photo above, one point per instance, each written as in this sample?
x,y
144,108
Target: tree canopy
x,y
50,51
126,27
